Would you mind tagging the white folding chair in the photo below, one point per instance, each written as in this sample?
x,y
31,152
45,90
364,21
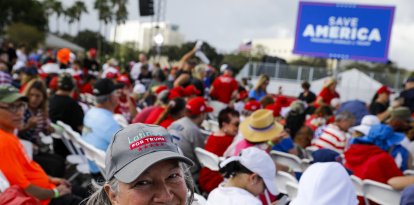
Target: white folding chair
x,y
288,160
292,189
121,120
305,163
94,154
282,178
409,172
4,183
357,182
214,126
207,159
74,158
380,193
72,137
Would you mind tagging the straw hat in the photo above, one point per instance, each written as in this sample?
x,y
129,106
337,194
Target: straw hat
x,y
260,126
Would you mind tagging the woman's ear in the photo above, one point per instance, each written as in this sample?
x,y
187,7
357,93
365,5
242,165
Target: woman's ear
x,y
254,178
112,195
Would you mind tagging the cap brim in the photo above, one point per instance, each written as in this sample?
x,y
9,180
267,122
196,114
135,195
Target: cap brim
x,y
14,97
135,168
118,86
209,109
361,128
271,185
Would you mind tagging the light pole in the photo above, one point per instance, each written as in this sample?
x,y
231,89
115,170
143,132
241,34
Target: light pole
x,y
158,39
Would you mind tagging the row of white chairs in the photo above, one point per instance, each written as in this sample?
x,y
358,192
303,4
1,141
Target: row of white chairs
x,y
375,191
368,189
290,160
84,149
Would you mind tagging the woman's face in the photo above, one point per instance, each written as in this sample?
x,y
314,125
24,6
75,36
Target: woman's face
x,y
35,98
265,84
332,87
162,183
255,185
384,97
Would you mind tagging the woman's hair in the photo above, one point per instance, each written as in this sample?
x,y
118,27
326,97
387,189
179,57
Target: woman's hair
x,y
99,196
266,100
233,168
262,79
305,85
173,108
40,86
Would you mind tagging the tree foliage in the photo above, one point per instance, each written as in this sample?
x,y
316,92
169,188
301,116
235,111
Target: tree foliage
x,y
312,62
20,33
88,39
30,12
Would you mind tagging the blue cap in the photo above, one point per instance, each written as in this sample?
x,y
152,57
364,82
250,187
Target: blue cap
x,y
381,135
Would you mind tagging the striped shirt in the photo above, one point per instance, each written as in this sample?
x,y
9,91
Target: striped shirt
x,y
332,138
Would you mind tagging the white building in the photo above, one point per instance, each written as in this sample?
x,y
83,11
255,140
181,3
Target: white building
x,y
280,47
142,34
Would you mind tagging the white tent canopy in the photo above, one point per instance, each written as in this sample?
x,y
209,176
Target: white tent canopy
x,y
57,42
352,84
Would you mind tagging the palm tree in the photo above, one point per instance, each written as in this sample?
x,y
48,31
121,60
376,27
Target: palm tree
x,y
58,10
105,15
48,6
80,8
70,13
121,14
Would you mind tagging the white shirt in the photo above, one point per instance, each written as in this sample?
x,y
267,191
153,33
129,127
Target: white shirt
x,y
232,196
136,70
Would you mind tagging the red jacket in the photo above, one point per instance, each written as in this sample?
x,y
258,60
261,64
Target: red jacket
x,y
371,162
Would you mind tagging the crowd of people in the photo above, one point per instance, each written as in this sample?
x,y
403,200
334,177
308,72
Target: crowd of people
x,y
149,119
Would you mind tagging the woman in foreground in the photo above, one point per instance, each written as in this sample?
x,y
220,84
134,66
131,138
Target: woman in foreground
x,y
143,166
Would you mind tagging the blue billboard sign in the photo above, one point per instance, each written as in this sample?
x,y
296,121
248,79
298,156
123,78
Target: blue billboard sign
x,y
344,31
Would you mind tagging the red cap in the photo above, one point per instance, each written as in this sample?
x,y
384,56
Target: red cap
x,y
252,105
160,89
384,89
53,84
123,79
191,90
92,52
176,92
243,95
197,106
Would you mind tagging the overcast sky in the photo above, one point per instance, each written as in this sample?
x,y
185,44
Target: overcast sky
x,y
226,23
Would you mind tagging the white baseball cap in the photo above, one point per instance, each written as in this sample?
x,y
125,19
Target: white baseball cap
x,y
366,124
259,162
139,88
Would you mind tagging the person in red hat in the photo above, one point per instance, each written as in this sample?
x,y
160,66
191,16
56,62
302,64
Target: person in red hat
x,y
90,63
250,106
126,106
380,103
224,87
187,130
